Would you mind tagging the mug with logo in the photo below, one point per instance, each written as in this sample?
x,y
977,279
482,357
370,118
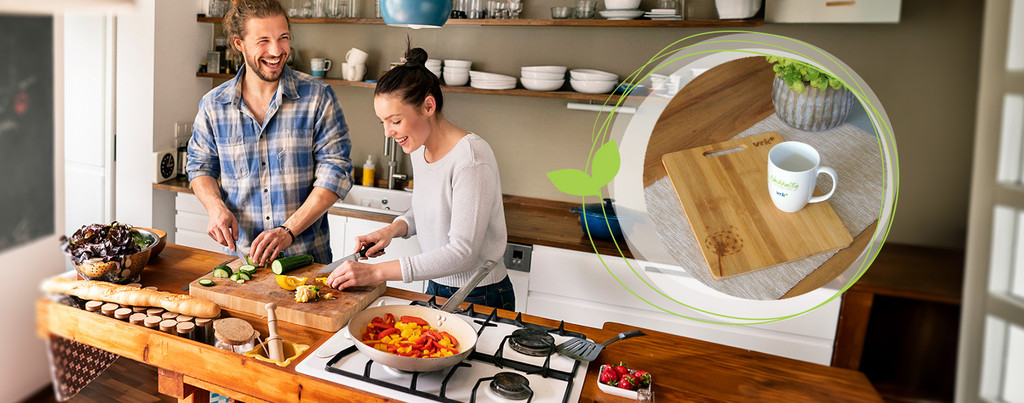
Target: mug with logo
x,y
319,66
793,169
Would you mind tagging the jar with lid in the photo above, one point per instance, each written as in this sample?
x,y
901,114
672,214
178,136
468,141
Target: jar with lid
x,y
234,334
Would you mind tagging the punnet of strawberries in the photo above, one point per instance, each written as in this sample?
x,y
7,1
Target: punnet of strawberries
x,y
621,376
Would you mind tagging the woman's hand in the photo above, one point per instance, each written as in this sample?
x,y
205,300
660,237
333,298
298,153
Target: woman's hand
x,y
353,274
380,238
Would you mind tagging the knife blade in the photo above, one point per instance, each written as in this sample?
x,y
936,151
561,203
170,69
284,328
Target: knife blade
x,y
353,257
238,252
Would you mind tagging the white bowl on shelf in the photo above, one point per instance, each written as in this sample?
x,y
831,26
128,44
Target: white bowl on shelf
x,y
545,69
593,87
540,84
455,79
492,85
592,75
621,4
458,70
737,9
458,63
489,76
542,75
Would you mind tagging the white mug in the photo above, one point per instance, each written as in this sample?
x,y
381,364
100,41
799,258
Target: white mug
x,y
354,72
318,66
793,169
356,56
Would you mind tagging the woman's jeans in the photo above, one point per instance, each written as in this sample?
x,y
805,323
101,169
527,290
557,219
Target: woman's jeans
x,y
497,295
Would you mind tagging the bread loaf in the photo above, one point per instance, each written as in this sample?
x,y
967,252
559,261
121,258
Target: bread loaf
x,y
127,295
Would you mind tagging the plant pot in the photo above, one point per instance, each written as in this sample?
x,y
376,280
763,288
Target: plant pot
x,y
815,109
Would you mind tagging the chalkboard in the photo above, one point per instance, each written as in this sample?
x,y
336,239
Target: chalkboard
x,y
26,129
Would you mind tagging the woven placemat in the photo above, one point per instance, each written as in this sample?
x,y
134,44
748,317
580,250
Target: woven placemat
x,y
855,156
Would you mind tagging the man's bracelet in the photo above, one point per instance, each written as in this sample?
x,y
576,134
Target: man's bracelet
x,y
288,231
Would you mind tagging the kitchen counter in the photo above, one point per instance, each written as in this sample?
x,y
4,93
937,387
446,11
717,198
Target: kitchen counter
x,y
684,369
528,220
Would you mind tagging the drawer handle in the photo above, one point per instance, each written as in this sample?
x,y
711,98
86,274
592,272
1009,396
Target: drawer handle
x,y
678,273
840,3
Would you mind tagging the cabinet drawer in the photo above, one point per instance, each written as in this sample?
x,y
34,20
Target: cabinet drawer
x,y
863,11
191,222
810,349
188,202
198,240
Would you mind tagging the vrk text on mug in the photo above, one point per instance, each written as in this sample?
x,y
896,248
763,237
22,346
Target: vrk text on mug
x,y
793,169
318,66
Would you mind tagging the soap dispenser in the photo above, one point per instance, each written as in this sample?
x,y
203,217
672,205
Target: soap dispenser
x,y
368,171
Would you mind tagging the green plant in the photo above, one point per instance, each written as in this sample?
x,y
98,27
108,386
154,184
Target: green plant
x,y
799,75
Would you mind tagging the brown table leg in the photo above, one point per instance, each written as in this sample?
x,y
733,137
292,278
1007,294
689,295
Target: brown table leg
x,y
171,384
852,328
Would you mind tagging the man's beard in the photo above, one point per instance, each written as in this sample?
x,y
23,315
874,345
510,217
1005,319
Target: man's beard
x,y
254,65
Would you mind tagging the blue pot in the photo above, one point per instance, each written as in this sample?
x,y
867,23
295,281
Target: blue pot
x,y
593,217
415,13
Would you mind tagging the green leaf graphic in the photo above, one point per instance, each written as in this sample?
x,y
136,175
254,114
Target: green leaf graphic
x,y
606,164
574,182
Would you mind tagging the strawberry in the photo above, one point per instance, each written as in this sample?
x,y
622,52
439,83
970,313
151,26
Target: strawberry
x,y
609,376
622,368
643,377
628,382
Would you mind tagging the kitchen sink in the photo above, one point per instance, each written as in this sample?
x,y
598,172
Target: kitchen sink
x,y
377,200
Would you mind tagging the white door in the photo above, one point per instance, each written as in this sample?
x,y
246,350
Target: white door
x,y
991,356
88,120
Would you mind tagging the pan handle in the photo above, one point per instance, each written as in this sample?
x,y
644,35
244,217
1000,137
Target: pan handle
x,y
463,292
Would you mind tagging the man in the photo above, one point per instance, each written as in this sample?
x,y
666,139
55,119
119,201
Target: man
x,y
277,141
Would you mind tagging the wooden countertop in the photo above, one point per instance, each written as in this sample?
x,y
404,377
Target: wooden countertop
x,y
528,220
684,369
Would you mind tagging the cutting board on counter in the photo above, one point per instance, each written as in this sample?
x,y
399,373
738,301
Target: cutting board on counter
x,y
725,197
252,297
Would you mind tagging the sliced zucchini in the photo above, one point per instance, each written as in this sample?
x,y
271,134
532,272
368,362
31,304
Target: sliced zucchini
x,y
287,264
233,277
244,276
222,271
240,281
247,268
206,282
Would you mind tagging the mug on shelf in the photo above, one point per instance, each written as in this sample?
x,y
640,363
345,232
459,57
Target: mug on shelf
x,y
356,56
319,66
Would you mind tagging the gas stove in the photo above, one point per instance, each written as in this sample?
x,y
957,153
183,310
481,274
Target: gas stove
x,y
508,352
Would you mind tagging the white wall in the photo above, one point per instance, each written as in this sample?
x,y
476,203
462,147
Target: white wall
x,y
26,266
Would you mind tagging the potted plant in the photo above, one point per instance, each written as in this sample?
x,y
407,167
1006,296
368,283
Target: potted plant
x,y
808,98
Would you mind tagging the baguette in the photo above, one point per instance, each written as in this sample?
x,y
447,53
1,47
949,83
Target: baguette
x,y
128,295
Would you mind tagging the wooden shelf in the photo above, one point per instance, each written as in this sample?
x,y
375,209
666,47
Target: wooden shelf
x,y
518,92
750,22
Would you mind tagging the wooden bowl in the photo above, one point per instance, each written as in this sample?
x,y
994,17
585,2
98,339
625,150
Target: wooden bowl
x,y
160,245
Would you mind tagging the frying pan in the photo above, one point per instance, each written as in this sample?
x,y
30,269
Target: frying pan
x,y
439,319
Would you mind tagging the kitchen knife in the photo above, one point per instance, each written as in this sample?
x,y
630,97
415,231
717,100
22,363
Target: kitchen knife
x,y
353,257
238,252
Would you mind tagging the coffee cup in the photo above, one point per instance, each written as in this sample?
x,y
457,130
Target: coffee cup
x,y
318,66
793,169
356,56
354,72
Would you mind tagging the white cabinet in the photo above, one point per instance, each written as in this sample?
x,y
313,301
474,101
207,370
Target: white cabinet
x,y
576,287
190,222
399,247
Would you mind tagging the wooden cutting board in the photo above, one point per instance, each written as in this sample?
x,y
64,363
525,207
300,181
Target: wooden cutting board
x,y
251,297
725,196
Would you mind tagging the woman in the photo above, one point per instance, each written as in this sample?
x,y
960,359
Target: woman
x,y
456,205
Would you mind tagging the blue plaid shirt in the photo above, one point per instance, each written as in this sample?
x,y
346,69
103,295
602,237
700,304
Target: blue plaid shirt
x,y
266,172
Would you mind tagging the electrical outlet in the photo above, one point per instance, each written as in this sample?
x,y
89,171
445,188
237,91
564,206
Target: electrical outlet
x,y
517,256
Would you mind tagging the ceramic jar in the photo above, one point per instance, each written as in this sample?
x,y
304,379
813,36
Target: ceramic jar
x,y
814,109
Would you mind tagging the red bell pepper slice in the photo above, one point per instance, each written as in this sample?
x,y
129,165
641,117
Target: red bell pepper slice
x,y
451,339
413,319
389,319
388,331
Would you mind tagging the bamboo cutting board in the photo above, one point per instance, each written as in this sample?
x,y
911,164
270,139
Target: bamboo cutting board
x,y
251,297
725,196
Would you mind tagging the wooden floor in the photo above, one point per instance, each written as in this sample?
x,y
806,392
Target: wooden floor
x,y
124,381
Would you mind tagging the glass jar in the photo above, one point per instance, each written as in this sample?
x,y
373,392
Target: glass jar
x,y
234,335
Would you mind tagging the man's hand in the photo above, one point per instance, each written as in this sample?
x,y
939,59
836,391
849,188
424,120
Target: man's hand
x,y
223,227
268,245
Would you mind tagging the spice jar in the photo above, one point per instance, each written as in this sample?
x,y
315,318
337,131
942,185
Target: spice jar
x,y
137,319
140,309
234,334
169,315
185,329
168,326
109,308
152,322
204,330
93,306
184,318
122,313
154,311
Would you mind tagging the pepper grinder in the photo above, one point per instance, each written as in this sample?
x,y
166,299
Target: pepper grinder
x,y
274,341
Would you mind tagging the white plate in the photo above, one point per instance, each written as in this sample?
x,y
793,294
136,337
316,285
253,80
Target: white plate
x,y
662,11
490,76
491,86
621,14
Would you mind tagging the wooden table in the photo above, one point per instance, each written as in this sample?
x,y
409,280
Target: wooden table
x,y
685,369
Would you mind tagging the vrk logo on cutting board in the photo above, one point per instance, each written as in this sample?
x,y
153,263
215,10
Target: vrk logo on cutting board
x,y
765,142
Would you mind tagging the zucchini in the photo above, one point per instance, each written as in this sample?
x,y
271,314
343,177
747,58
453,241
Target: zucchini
x,y
247,268
244,276
206,282
222,271
249,261
287,264
240,281
233,277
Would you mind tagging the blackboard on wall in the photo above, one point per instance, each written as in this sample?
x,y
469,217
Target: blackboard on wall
x,y
26,129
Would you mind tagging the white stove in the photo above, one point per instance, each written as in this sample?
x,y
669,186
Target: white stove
x,y
552,378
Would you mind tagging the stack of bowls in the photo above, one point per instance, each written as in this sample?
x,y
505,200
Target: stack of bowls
x,y
434,65
542,78
590,81
456,72
491,81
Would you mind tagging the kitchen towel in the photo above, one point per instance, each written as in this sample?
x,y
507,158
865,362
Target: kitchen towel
x,y
852,152
73,365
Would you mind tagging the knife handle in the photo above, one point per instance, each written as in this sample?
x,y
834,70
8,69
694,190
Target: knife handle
x,y
365,248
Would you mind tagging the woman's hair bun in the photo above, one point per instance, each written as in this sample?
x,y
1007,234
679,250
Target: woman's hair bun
x,y
415,56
